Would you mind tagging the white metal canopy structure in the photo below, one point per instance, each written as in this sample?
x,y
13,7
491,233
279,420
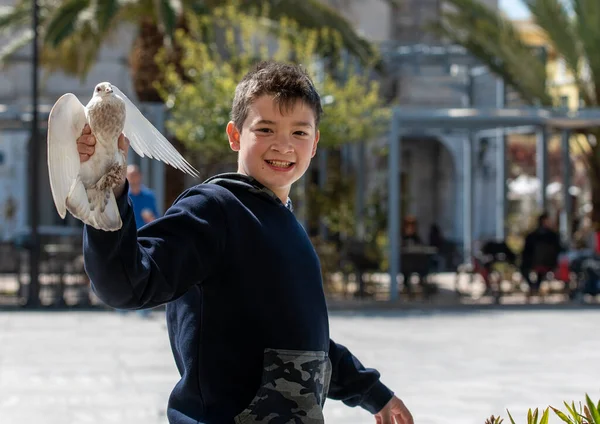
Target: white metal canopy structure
x,y
408,121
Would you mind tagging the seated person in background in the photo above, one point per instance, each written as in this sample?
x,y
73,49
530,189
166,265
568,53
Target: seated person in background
x,y
410,237
540,253
414,260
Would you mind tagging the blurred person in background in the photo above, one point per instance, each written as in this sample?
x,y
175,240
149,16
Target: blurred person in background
x,y
410,235
540,253
143,199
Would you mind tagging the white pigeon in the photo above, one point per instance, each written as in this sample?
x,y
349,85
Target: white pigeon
x,y
86,189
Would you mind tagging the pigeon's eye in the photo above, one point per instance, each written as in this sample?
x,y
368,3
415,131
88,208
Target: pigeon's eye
x,y
98,89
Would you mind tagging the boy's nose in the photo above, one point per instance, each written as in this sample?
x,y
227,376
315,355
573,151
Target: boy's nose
x,y
283,145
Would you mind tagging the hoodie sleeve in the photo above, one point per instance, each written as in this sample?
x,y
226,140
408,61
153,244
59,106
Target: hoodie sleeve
x,y
354,384
131,270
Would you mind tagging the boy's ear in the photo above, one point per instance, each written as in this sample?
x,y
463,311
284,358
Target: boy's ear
x,y
234,136
314,149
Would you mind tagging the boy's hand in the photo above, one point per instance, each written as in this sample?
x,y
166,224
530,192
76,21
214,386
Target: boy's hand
x,y
395,412
86,146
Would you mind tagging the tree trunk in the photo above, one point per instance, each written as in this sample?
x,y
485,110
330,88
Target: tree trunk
x,y
144,70
144,73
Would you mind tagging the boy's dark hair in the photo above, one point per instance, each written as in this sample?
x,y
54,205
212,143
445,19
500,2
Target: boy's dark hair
x,y
287,83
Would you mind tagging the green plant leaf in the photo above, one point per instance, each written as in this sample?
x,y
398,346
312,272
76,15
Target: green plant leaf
x,y
16,44
13,17
529,416
167,17
573,412
510,417
593,411
545,415
562,416
496,41
106,10
555,19
64,20
588,416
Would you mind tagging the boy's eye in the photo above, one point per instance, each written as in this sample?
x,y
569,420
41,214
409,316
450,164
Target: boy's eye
x,y
264,130
301,133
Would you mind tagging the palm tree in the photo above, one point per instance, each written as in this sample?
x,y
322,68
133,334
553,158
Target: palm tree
x,y
74,30
572,30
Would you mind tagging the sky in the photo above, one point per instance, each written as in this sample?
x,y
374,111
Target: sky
x,y
514,8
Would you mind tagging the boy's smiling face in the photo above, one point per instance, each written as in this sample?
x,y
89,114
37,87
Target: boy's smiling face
x,y
273,147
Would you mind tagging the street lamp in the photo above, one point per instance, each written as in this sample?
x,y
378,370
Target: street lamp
x,y
33,298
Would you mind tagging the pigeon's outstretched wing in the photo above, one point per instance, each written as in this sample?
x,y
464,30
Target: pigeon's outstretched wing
x,y
65,124
146,140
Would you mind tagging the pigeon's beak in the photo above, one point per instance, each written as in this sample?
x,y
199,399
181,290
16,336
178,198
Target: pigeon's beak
x,y
109,90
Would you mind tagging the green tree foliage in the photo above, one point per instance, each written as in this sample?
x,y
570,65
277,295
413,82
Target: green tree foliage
x,y
199,98
73,31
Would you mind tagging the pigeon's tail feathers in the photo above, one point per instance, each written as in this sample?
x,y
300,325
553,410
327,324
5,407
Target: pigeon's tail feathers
x,y
104,213
94,207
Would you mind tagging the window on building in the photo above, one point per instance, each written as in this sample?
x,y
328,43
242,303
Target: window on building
x,y
564,101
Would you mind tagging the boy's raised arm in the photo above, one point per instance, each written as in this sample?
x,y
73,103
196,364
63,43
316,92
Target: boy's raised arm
x,y
131,270
354,384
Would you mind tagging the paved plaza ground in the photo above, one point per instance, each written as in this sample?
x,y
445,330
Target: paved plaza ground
x,y
452,366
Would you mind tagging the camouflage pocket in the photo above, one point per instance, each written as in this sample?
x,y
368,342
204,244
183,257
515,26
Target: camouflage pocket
x,y
293,389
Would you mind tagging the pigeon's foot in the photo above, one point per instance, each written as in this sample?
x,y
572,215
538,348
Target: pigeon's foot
x,y
112,177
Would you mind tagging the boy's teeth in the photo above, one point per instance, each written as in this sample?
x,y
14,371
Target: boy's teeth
x,y
280,164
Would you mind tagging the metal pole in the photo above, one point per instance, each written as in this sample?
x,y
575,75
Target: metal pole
x,y
541,152
501,166
567,213
468,187
33,298
468,198
394,167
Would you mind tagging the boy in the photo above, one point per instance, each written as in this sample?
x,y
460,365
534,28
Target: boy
x,y
246,311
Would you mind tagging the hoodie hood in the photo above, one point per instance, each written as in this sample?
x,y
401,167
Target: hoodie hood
x,y
241,181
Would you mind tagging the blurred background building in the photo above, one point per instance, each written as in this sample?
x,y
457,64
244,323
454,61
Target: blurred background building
x,y
422,71
426,72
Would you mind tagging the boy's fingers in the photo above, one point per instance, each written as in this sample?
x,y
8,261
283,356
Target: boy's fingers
x,y
86,130
90,140
85,149
123,143
83,157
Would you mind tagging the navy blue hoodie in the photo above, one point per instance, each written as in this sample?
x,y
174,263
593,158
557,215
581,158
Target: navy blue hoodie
x,y
246,310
